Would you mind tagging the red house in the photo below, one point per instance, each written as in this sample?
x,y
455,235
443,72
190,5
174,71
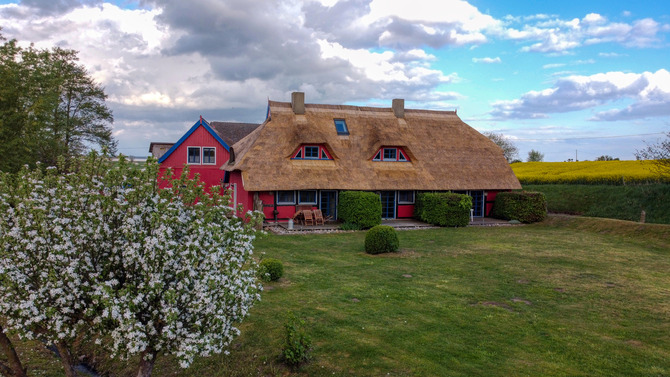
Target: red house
x,y
204,148
305,154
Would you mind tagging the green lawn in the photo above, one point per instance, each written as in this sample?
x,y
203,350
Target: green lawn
x,y
570,296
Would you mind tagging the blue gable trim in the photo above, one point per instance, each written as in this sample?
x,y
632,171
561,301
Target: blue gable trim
x,y
197,124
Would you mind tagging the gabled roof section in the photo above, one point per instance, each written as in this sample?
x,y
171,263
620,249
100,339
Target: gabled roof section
x,y
201,122
444,152
232,132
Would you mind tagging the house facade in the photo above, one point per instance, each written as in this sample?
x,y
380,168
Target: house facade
x,y
305,154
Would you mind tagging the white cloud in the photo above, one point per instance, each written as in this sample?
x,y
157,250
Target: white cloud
x,y
487,60
650,93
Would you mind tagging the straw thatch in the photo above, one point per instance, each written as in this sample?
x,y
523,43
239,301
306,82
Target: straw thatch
x,y
445,153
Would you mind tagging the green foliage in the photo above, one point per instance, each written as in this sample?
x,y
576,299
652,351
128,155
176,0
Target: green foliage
x,y
660,155
510,151
535,156
350,226
297,344
443,208
270,269
49,107
615,202
363,208
524,206
381,239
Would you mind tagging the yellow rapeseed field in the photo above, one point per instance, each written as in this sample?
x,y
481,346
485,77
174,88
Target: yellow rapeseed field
x,y
587,172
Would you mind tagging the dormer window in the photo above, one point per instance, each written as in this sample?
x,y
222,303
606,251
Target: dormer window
x,y
394,154
311,152
341,127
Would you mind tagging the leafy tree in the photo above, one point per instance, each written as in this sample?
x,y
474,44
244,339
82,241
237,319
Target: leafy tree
x,y
660,153
535,156
49,107
510,151
606,158
103,253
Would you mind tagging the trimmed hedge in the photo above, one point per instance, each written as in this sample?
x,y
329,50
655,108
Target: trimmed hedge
x,y
524,206
363,208
381,239
443,208
270,269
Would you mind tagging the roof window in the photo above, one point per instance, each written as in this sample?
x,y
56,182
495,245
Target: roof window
x,y
341,127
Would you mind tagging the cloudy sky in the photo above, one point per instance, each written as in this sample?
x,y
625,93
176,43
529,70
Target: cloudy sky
x,y
562,77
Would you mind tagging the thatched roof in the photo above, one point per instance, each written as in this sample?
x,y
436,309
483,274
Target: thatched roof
x,y
445,153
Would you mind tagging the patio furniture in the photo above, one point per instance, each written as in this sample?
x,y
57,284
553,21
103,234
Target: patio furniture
x,y
298,217
309,217
318,217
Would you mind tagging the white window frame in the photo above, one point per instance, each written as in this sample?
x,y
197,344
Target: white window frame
x,y
188,156
202,156
285,203
407,202
316,198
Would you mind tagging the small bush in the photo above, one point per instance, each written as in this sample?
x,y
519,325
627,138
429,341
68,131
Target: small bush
x,y
271,269
381,239
297,344
443,208
363,208
524,206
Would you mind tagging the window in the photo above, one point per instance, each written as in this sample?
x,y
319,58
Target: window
x,y
209,156
405,197
193,155
285,197
341,127
307,197
312,152
390,154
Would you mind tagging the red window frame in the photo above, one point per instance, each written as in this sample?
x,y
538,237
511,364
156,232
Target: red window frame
x,y
399,152
322,151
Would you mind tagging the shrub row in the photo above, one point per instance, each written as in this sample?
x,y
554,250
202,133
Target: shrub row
x,y
443,208
524,206
363,208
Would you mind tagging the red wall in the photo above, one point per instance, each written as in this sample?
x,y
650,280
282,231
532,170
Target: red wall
x,y
405,210
490,197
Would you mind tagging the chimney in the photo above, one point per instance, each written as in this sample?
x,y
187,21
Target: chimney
x,y
298,102
399,108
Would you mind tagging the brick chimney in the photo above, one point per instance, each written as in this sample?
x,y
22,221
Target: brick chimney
x,y
399,108
298,102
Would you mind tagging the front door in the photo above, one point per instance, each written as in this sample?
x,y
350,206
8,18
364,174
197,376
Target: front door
x,y
328,204
388,204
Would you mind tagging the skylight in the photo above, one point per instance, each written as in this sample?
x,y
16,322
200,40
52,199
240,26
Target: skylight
x,y
341,127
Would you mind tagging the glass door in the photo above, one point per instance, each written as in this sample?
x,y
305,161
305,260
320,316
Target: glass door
x,y
328,204
388,204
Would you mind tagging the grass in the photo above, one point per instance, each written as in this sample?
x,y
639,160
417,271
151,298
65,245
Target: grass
x,y
588,172
569,296
619,202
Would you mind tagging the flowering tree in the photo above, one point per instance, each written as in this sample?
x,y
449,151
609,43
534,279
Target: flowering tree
x,y
103,252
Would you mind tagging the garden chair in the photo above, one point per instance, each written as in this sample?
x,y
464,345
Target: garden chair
x,y
318,217
307,214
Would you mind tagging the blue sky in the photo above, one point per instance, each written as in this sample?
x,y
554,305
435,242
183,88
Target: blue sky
x,y
571,77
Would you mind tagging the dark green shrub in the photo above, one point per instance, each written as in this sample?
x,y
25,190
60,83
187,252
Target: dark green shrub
x,y
443,208
360,207
271,269
297,344
381,239
524,206
350,226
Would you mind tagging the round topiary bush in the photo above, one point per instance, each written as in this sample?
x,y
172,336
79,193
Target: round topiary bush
x,y
381,239
271,269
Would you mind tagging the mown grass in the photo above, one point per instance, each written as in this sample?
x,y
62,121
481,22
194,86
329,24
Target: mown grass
x,y
588,172
569,296
616,202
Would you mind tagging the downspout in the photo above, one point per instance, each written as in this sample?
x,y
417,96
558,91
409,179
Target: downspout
x,y
275,212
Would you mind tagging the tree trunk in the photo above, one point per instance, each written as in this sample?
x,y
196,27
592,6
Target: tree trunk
x,y
15,368
146,366
66,359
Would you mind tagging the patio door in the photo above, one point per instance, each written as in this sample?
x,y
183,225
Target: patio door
x,y
388,204
328,203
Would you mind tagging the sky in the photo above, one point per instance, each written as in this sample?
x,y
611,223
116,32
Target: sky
x,y
571,79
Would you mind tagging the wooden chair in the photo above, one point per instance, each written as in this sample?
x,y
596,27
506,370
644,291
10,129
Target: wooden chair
x,y
318,217
308,217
